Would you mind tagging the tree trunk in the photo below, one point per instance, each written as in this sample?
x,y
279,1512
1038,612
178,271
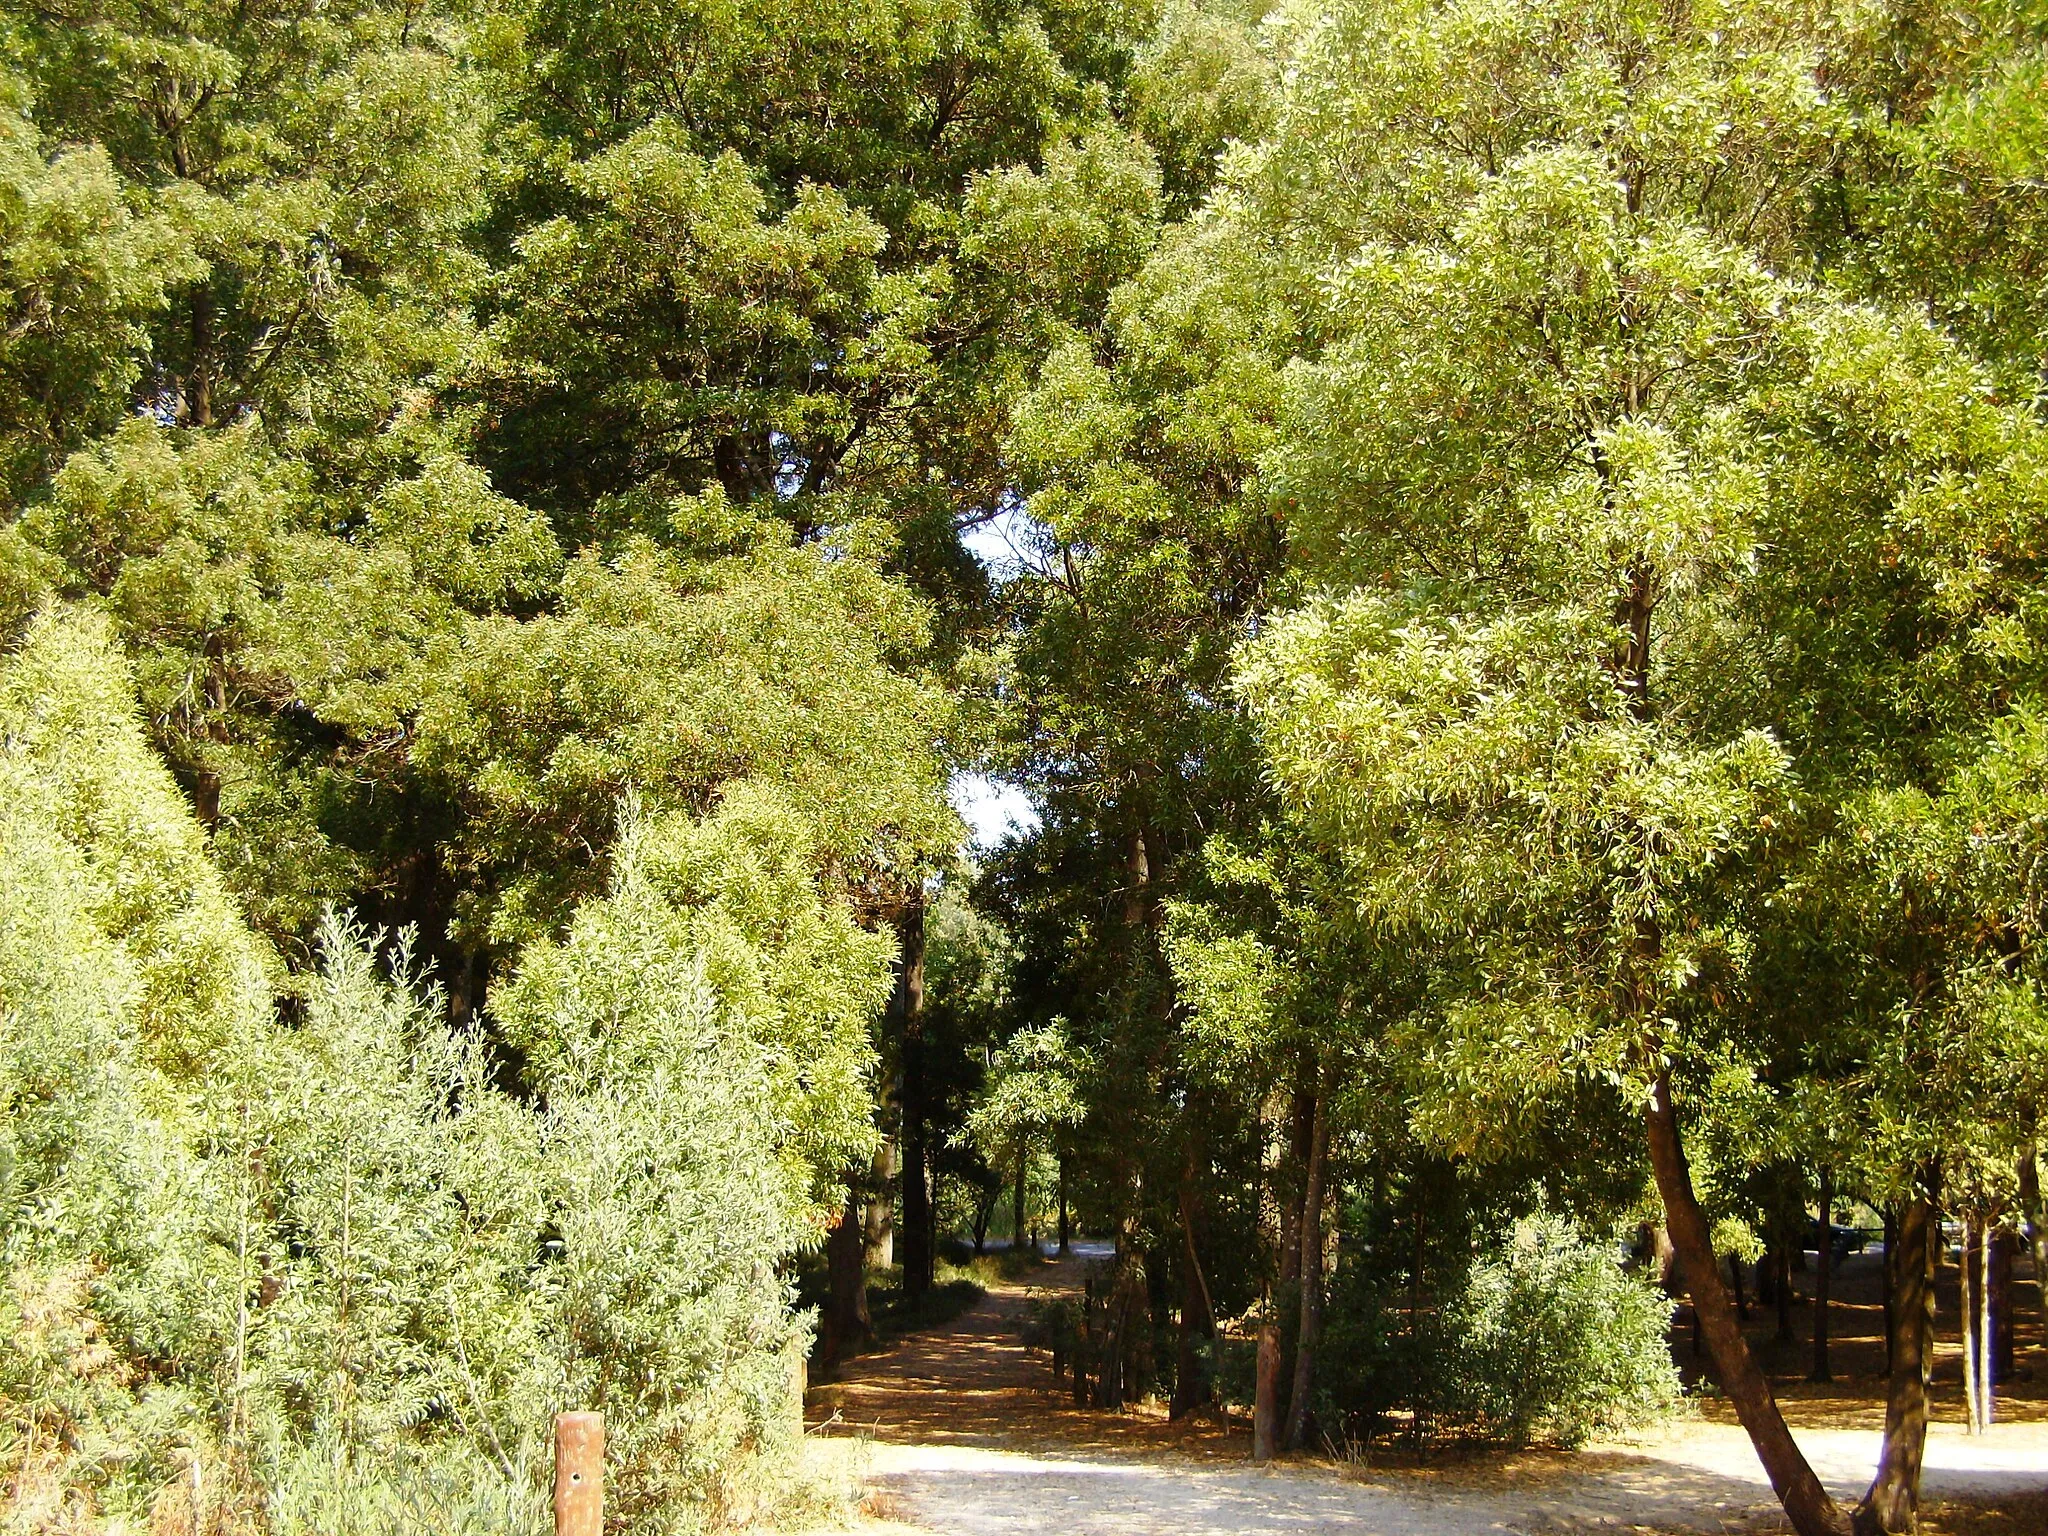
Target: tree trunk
x,y
1967,1306
1311,1273
846,1323
1017,1201
1735,1281
984,1211
1999,1291
1066,1244
1266,1395
917,1243
879,1226
1823,1272
1781,1279
2037,1231
1891,1244
1191,1388
1807,1503
1892,1503
1301,1136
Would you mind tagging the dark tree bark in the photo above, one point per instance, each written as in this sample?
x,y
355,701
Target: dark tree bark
x,y
1892,1503
1823,1271
879,1219
984,1211
1301,1134
1191,1386
916,1187
846,1324
2037,1230
1781,1277
1311,1276
1807,1503
1066,1236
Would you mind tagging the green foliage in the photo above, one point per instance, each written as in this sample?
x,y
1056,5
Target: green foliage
x,y
1542,1337
331,1260
1554,1341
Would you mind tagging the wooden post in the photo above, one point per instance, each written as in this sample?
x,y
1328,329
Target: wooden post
x,y
579,1474
1266,1395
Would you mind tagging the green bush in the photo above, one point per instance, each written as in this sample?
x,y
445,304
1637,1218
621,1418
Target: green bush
x,y
1553,1340
1543,1337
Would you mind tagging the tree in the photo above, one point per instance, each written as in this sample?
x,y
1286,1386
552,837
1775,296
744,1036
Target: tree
x,y
1546,711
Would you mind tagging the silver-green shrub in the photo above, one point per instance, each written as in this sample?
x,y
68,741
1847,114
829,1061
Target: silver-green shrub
x,y
312,1269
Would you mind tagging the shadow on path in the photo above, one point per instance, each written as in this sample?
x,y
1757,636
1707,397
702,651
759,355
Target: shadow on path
x,y
965,1432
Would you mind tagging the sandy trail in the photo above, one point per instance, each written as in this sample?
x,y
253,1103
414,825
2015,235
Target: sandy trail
x,y
961,1431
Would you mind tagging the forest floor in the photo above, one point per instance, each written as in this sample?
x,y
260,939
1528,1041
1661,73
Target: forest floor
x,y
961,1430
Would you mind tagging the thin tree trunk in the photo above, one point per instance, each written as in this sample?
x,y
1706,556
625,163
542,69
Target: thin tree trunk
x,y
1288,1197
1781,1280
1311,1272
1017,1201
984,1213
918,1206
1735,1282
1892,1503
1191,1388
1823,1272
1967,1306
1807,1503
1986,1365
1066,1243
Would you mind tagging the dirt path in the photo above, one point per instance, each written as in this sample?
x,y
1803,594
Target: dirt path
x,y
961,1431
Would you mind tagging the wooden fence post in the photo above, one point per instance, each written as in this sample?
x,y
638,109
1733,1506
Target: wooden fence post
x,y
1266,1395
579,1474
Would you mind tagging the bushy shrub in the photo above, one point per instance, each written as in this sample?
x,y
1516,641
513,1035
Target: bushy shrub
x,y
1553,1340
1541,1337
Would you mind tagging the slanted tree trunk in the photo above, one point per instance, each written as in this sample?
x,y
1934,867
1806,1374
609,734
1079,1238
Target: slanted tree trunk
x,y
917,1242
1066,1242
1311,1276
984,1212
1807,1503
1892,1504
1823,1271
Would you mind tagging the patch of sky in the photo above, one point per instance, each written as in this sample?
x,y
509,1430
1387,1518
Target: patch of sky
x,y
1009,543
994,811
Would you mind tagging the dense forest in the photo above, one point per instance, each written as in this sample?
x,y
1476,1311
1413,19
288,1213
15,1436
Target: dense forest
x,y
1505,543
